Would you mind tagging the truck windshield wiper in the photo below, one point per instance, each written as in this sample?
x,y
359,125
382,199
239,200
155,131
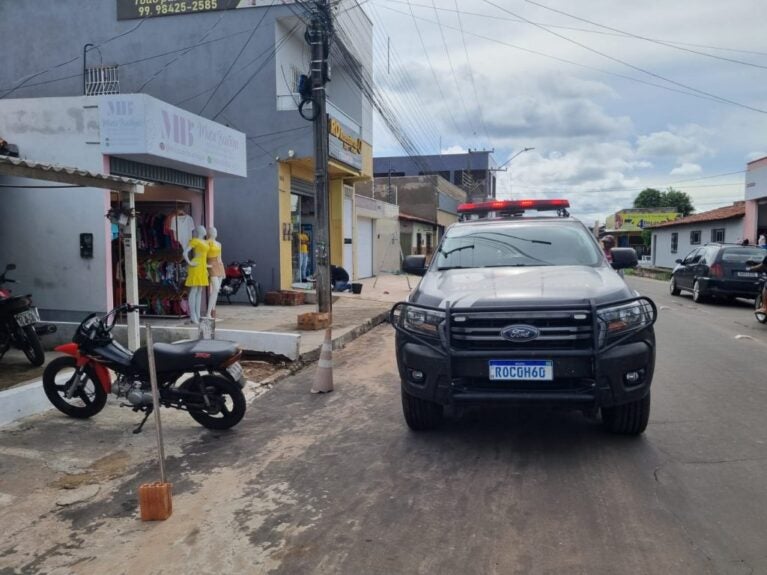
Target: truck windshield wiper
x,y
458,249
442,269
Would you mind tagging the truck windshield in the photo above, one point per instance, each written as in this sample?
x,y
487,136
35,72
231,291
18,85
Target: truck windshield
x,y
536,244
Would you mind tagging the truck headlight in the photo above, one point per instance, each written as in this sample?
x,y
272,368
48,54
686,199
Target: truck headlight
x,y
618,321
422,321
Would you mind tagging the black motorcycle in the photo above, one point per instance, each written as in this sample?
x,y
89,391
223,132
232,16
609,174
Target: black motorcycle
x,y
203,377
20,325
240,274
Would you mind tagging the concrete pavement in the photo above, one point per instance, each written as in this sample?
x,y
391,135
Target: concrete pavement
x,y
337,484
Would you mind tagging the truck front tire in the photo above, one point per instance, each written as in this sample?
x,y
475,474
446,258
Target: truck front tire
x,y
420,414
627,419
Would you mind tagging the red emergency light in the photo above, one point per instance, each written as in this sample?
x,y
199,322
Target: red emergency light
x,y
512,206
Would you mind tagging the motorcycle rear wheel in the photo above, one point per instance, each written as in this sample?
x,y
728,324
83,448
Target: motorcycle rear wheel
x,y
227,402
30,344
87,402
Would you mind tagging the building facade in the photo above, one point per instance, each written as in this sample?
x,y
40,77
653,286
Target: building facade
x,y
239,67
473,172
755,221
427,205
674,240
69,254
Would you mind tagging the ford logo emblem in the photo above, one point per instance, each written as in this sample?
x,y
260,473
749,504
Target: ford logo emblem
x,y
520,333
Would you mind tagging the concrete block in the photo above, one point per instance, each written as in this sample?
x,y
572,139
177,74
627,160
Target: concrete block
x,y
23,401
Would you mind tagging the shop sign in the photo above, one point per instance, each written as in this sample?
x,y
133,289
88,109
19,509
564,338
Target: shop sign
x,y
637,220
131,9
344,144
139,125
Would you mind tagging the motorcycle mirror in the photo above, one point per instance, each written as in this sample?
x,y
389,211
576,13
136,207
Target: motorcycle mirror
x,y
10,267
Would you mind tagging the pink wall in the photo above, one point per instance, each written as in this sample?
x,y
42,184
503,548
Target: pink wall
x,y
750,221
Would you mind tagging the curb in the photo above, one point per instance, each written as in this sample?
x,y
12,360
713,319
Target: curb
x,y
340,341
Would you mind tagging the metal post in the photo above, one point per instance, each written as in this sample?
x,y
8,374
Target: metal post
x,y
85,68
131,274
319,40
155,400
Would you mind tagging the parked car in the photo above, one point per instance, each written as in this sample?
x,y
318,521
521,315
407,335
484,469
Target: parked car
x,y
717,270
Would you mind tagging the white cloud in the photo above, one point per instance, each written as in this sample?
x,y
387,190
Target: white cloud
x,y
454,150
678,146
687,169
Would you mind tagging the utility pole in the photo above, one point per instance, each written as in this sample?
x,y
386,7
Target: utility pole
x,y
318,36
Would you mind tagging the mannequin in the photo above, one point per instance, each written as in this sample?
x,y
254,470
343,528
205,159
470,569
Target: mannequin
x,y
215,270
197,278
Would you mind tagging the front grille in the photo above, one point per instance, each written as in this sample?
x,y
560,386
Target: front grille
x,y
559,330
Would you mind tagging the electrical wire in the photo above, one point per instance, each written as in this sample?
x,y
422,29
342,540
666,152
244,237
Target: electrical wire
x,y
237,57
174,60
471,74
628,64
62,64
282,41
576,29
452,71
645,38
569,62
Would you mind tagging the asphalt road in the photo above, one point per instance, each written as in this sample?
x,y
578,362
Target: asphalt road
x,y
337,484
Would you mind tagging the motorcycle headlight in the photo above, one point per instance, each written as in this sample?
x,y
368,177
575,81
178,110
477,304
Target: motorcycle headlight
x,y
615,322
422,321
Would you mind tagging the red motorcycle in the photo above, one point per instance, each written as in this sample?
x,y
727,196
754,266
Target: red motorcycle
x,y
240,274
202,377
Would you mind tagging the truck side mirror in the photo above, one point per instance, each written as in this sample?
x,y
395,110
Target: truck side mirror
x,y
10,267
415,265
624,258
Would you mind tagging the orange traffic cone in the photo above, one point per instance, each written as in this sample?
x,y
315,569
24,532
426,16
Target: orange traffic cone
x,y
323,377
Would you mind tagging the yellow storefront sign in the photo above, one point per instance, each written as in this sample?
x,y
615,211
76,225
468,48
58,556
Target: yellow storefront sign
x,y
637,220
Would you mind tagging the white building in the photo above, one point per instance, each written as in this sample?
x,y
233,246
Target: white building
x,y
674,240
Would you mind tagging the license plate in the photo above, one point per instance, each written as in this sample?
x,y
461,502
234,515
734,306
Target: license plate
x,y
28,317
748,275
235,370
521,370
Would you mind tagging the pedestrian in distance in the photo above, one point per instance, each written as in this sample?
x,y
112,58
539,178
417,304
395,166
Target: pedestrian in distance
x,y
608,243
339,279
762,242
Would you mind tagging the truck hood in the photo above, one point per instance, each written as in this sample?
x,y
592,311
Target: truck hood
x,y
498,287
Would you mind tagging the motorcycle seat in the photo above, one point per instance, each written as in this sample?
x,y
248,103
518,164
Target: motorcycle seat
x,y
187,355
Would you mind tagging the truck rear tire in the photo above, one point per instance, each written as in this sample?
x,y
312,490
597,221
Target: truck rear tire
x,y
628,419
420,414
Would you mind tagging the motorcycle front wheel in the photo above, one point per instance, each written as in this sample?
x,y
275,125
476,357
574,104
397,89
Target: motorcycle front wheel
x,y
254,293
87,398
29,343
223,405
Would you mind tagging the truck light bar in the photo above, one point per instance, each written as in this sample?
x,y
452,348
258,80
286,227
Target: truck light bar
x,y
512,206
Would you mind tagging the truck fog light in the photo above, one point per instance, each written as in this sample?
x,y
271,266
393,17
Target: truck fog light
x,y
633,377
417,375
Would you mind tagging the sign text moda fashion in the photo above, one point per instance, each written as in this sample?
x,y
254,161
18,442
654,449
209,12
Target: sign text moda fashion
x,y
139,125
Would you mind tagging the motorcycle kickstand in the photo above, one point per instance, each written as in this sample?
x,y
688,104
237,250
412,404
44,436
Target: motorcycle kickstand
x,y
143,421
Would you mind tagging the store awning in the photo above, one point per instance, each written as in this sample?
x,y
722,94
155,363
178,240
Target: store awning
x,y
19,168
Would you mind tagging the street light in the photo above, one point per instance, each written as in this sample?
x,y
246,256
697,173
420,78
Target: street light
x,y
522,151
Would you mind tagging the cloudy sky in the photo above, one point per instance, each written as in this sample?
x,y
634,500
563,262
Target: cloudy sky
x,y
663,93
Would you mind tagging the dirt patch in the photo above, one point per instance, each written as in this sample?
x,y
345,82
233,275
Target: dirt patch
x,y
108,467
257,371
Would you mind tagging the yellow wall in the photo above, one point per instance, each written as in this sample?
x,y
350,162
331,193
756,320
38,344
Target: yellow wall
x,y
285,244
336,188
367,160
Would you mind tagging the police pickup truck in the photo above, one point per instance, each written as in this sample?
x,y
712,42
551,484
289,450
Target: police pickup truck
x,y
514,309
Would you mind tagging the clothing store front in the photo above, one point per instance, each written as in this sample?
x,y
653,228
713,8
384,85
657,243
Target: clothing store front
x,y
83,255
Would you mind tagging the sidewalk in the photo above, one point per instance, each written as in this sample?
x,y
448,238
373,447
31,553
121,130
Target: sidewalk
x,y
259,330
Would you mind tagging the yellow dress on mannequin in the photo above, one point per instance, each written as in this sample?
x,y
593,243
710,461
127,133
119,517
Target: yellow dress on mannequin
x,y
197,275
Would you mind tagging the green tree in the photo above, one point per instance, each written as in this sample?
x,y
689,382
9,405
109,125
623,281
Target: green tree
x,y
680,200
649,198
671,198
647,237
